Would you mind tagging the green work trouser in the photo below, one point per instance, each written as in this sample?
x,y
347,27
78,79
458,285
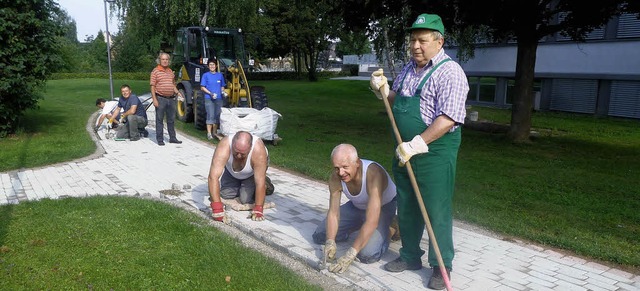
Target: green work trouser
x,y
435,174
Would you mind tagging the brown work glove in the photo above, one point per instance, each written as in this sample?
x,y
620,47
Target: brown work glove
x,y
344,262
329,252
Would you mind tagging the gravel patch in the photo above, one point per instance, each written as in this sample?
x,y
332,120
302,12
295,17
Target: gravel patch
x,y
319,278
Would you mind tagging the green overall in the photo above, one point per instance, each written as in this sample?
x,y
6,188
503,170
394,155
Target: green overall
x,y
435,175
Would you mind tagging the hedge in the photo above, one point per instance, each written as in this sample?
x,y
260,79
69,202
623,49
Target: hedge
x,y
252,76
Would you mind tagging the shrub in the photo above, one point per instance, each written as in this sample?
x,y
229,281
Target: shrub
x,y
351,69
28,36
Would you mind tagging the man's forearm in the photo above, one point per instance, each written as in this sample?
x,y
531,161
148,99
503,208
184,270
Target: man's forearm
x,y
366,231
332,226
153,93
214,190
100,120
261,193
440,126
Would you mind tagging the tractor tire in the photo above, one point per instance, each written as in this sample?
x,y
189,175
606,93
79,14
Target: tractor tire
x,y
258,98
184,111
200,112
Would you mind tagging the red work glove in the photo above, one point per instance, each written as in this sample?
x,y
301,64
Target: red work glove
x,y
218,211
257,214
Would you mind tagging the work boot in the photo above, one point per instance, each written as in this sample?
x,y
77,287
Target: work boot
x,y
394,229
269,186
398,265
437,281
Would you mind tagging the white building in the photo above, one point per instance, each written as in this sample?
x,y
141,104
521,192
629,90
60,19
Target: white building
x,y
600,76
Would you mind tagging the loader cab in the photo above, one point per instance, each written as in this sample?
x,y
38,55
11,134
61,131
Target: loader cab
x,y
227,45
195,45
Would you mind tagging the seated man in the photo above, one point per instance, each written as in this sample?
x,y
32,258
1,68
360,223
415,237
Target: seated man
x,y
134,116
108,109
370,209
239,169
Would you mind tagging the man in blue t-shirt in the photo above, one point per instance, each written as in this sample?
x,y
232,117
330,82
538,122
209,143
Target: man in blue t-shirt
x,y
211,84
134,117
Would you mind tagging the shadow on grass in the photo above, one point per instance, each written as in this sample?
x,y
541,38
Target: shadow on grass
x,y
33,127
5,220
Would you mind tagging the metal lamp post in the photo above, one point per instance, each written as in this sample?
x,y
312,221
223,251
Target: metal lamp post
x,y
108,39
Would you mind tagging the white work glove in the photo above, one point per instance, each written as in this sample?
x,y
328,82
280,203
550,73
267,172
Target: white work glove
x,y
344,261
379,84
406,150
329,252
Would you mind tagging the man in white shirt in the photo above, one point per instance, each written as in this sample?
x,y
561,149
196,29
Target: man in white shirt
x,y
369,211
107,112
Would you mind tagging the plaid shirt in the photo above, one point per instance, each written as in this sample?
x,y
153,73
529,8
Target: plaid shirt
x,y
445,92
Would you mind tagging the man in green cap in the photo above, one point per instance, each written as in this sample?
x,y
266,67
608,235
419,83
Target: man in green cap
x,y
428,99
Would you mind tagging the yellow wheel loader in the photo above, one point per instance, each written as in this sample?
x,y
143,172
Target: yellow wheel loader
x,y
194,46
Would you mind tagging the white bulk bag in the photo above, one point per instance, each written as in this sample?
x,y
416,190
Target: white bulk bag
x,y
261,123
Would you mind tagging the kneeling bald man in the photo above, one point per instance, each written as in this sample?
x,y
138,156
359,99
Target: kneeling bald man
x,y
239,169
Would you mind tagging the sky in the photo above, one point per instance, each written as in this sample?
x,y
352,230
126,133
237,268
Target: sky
x,y
89,16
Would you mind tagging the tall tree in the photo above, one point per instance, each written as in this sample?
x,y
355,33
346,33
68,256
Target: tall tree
x,y
155,21
97,50
384,22
305,28
130,54
68,55
528,22
28,35
353,43
525,21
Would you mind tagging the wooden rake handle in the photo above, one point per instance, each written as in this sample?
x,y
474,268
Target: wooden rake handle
x,y
414,184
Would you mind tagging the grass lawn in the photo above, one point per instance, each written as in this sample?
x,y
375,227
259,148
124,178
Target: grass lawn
x,y
575,187
127,243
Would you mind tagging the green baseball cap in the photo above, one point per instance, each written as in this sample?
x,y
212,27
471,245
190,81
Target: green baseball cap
x,y
428,21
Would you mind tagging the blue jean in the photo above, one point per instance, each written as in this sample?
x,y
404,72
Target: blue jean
x,y
213,108
351,220
166,106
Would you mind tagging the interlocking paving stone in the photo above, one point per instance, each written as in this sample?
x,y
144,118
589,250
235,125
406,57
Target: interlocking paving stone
x,y
483,261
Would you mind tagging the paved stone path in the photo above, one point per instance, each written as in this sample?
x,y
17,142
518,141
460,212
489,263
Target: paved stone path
x,y
483,261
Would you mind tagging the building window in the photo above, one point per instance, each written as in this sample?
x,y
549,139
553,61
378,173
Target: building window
x,y
482,89
595,34
628,26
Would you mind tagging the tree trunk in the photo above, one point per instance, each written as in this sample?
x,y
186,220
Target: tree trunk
x,y
523,90
312,58
388,55
205,14
296,62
